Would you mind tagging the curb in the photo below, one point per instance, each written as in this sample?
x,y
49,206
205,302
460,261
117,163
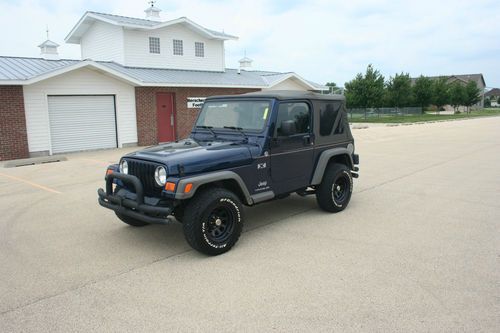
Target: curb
x,y
33,161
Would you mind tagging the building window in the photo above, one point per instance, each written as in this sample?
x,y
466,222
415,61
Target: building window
x,y
199,49
178,50
154,45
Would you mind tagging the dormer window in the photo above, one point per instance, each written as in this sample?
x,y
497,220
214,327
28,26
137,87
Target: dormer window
x,y
154,45
199,49
178,49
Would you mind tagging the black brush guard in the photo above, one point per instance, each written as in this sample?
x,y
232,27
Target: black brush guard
x,y
134,208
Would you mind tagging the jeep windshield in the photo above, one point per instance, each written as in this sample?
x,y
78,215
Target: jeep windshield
x,y
241,115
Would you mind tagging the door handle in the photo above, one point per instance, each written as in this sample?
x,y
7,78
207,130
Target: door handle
x,y
307,140
172,120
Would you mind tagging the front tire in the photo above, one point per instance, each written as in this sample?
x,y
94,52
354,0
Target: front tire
x,y
131,221
334,192
213,221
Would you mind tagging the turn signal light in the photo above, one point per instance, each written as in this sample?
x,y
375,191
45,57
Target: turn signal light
x,y
170,187
109,171
188,188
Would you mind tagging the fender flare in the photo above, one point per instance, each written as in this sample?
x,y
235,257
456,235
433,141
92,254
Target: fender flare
x,y
208,178
325,157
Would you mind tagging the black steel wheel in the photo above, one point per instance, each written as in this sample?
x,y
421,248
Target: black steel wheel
x,y
334,192
213,221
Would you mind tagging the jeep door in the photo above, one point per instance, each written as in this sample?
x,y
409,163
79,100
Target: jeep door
x,y
292,147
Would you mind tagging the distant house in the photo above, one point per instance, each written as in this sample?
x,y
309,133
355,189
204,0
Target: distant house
x,y
139,82
464,79
494,96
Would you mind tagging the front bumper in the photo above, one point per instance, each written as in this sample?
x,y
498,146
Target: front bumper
x,y
133,206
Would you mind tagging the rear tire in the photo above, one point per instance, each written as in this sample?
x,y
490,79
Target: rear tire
x,y
213,221
334,192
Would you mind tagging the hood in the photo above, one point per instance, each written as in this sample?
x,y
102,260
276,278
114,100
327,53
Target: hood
x,y
189,156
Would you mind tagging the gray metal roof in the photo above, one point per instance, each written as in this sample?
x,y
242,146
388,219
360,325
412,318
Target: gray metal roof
x,y
175,76
16,68
22,69
125,20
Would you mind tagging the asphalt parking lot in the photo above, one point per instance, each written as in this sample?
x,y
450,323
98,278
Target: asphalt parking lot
x,y
418,249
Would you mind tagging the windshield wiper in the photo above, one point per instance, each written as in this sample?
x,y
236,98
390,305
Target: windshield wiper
x,y
239,129
208,128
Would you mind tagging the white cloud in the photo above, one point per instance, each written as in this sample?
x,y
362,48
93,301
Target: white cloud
x,y
319,39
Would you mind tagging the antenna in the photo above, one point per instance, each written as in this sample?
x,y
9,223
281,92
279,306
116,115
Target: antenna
x,y
47,31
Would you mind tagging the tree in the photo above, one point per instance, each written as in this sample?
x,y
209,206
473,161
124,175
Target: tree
x,y
457,94
399,90
472,94
422,91
440,92
487,102
365,91
332,87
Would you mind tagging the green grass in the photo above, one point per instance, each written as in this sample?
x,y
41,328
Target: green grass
x,y
424,117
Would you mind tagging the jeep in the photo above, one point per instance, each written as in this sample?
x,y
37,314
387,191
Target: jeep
x,y
243,150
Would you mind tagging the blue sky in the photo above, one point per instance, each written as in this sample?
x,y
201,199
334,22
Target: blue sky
x,y
319,39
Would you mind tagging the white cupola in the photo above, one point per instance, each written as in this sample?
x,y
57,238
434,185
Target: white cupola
x,y
245,63
48,49
152,12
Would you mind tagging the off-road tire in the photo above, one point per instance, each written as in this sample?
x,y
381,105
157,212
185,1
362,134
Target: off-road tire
x,y
126,219
131,221
179,212
213,221
334,192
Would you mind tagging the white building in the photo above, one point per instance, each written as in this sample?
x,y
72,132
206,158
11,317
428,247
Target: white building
x,y
131,86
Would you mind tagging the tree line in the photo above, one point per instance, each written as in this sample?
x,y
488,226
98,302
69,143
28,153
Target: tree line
x,y
371,90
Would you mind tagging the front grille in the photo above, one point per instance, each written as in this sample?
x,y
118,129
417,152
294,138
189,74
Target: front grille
x,y
145,171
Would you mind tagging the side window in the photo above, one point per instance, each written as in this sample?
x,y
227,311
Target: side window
x,y
328,113
340,127
298,112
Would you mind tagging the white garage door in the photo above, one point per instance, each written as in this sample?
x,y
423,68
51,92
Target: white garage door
x,y
82,123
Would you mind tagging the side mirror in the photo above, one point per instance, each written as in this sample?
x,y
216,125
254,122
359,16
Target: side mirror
x,y
288,127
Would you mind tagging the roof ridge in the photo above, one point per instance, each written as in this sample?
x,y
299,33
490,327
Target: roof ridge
x,y
128,17
37,58
154,68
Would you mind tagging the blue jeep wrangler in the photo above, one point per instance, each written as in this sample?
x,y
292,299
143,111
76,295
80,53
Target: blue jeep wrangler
x,y
243,150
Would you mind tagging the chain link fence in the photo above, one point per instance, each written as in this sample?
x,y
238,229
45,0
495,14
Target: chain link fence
x,y
370,113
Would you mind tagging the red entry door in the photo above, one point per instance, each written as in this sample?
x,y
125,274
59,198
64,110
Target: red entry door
x,y
165,117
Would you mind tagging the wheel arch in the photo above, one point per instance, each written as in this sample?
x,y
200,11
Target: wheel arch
x,y
336,155
225,179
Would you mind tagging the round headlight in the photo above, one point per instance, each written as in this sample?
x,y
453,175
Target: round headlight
x,y
124,166
161,176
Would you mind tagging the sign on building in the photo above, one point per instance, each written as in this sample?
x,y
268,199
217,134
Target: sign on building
x,y
195,102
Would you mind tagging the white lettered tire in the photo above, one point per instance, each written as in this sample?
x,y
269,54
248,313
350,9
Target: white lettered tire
x,y
213,220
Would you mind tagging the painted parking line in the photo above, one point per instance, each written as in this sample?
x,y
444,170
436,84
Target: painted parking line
x,y
45,188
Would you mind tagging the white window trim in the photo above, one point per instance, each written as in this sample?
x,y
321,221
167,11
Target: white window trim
x,y
202,45
150,46
181,47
